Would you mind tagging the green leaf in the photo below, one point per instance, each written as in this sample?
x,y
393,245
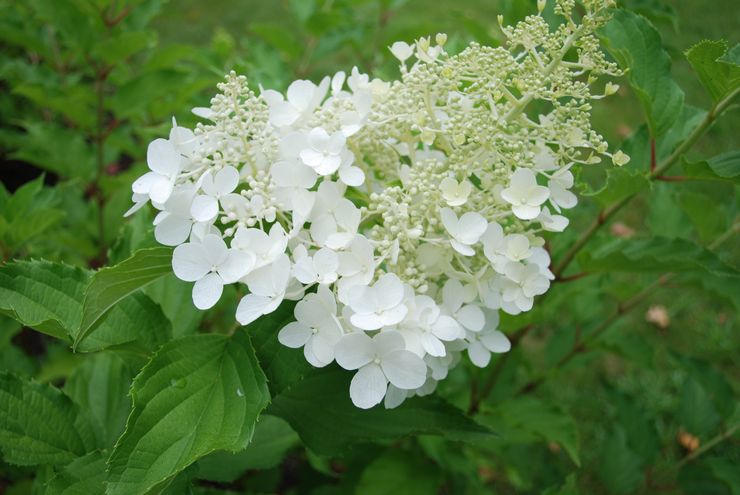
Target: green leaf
x,y
100,386
121,46
42,295
620,184
528,419
658,254
723,167
321,412
718,75
110,285
48,297
273,438
696,412
39,424
84,476
708,216
173,296
637,47
399,472
198,394
620,470
282,365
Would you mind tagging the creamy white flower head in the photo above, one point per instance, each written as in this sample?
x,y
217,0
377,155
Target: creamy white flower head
x,y
378,360
465,231
524,195
378,305
210,264
389,277
316,328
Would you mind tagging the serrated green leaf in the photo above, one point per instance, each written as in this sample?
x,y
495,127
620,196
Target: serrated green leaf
x,y
619,468
399,472
48,297
40,425
620,183
100,386
110,285
696,412
84,476
658,254
637,46
723,167
42,295
529,419
198,394
273,437
719,76
331,429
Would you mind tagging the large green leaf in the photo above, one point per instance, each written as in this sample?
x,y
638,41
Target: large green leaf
x,y
40,425
42,295
658,254
198,394
320,410
48,297
273,437
720,76
100,386
110,285
282,365
638,48
84,476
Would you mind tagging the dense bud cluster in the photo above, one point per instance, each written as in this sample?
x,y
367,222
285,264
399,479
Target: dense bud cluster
x,y
404,215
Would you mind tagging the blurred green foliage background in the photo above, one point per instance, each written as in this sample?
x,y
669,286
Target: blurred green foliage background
x,y
650,408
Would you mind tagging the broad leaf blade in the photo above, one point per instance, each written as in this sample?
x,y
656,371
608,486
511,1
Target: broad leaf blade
x,y
637,46
110,285
719,76
198,394
40,425
319,409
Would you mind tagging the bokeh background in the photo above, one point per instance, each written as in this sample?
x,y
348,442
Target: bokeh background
x,y
86,84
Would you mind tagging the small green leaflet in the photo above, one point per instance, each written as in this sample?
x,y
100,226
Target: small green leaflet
x,y
637,46
657,254
196,395
84,476
717,69
723,167
620,183
40,425
332,429
110,285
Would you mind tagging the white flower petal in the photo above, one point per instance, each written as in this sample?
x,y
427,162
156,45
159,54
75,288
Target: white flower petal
x,y
207,291
204,208
251,307
404,369
496,341
189,262
354,350
294,334
368,386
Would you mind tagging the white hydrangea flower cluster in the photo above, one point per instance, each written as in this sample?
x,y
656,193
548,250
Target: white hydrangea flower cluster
x,y
403,216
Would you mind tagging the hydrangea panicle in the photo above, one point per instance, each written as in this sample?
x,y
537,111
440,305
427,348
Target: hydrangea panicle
x,y
402,215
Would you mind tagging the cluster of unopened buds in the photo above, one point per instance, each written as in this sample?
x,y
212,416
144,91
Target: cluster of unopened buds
x,y
402,216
